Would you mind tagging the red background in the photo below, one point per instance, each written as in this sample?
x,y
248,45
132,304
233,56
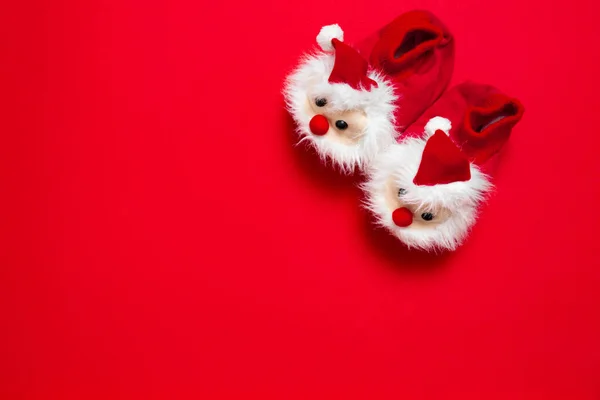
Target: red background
x,y
161,237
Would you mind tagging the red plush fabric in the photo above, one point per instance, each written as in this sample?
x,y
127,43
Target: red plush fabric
x,y
482,119
483,135
417,52
350,67
442,162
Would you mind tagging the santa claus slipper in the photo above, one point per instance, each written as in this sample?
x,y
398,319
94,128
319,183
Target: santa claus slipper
x,y
347,110
427,189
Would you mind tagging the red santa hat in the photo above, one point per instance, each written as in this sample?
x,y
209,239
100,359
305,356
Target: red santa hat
x,y
349,66
442,162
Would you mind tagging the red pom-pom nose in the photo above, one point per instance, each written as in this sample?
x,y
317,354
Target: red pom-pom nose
x,y
402,217
319,125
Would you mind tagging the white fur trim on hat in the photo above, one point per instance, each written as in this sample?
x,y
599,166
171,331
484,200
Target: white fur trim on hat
x,y
327,34
438,123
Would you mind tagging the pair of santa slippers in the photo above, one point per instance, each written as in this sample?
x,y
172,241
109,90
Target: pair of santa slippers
x,y
381,107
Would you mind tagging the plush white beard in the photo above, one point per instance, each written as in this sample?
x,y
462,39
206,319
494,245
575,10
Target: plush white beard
x,y
401,162
309,81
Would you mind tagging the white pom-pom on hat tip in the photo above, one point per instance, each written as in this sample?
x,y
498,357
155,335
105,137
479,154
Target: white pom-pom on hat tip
x,y
327,34
438,123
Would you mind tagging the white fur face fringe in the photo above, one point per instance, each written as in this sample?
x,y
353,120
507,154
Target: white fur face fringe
x,y
453,205
310,81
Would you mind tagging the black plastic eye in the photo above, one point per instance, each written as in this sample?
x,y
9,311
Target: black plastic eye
x,y
321,102
427,216
401,192
340,124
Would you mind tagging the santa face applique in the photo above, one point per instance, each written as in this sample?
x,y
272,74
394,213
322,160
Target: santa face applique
x,y
346,127
345,111
426,201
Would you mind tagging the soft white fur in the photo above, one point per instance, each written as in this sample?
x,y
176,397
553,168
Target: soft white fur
x,y
438,123
327,34
401,161
310,80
